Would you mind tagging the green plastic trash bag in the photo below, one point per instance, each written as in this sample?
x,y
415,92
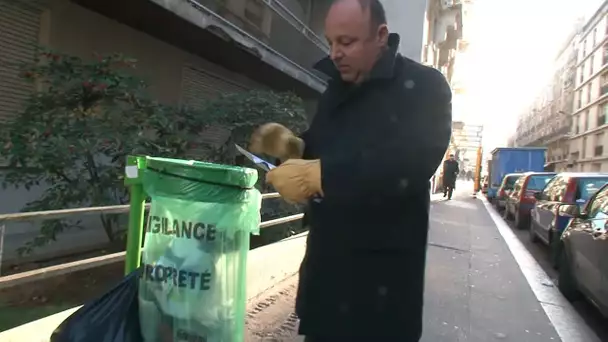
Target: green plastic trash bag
x,y
195,249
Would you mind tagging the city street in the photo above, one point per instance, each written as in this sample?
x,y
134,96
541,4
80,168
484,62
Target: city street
x,y
476,288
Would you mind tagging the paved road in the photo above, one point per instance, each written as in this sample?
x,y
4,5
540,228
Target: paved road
x,y
587,311
475,288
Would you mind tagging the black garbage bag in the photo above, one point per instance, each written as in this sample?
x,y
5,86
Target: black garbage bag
x,y
114,317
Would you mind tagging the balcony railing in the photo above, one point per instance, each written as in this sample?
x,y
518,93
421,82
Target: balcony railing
x,y
288,16
275,25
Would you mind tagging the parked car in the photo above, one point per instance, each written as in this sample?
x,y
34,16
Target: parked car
x,y
583,269
505,188
546,224
521,200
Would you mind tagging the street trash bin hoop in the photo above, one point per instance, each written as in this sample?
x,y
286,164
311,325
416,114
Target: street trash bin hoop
x,y
195,250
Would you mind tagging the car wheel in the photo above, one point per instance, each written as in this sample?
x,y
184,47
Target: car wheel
x,y
521,223
532,233
566,282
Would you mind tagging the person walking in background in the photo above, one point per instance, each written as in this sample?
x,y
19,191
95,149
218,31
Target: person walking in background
x,y
363,167
450,173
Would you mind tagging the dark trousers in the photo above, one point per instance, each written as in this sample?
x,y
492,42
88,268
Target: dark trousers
x,y
448,187
447,191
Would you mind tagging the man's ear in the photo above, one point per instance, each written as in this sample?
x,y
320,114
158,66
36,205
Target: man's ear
x,y
382,35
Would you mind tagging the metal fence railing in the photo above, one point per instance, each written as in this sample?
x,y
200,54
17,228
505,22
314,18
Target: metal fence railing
x,y
56,270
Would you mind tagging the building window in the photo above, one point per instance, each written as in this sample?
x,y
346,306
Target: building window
x,y
589,93
605,55
598,151
604,84
576,125
574,156
579,99
596,167
586,124
591,65
584,48
584,150
594,37
581,73
601,114
604,113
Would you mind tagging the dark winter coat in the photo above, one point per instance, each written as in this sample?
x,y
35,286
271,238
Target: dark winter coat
x,y
450,172
379,143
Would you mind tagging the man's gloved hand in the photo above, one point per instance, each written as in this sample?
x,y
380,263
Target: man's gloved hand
x,y
277,141
297,180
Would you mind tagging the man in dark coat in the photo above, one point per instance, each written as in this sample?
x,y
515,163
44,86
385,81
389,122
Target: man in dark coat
x,y
450,173
381,129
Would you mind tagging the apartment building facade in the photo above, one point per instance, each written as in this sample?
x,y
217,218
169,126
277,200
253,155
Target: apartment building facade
x,y
590,116
443,34
548,121
573,123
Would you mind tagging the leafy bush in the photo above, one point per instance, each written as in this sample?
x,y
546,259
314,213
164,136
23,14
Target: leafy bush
x,y
85,117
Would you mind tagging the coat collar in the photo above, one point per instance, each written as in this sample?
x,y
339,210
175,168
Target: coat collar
x,y
383,69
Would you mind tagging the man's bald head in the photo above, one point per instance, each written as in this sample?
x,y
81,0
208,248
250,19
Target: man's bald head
x,y
357,33
377,15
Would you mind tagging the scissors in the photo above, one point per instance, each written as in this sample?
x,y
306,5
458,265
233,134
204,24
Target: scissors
x,y
264,165
259,162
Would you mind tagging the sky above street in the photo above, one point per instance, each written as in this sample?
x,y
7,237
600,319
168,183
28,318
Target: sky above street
x,y
513,44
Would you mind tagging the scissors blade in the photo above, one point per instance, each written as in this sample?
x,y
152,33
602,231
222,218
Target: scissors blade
x,y
259,162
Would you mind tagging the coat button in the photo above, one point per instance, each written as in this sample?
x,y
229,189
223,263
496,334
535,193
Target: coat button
x,y
382,290
409,84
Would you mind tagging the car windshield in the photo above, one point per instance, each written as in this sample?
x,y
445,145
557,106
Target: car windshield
x,y
510,181
538,182
588,186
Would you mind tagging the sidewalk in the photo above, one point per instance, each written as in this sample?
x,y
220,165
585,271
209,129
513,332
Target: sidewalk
x,y
476,290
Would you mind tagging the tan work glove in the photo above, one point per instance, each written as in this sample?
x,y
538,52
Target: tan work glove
x,y
297,180
277,141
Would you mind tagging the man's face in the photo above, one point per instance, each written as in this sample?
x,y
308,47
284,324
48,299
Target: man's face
x,y
355,46
451,157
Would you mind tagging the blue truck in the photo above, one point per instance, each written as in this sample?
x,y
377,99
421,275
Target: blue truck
x,y
511,160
